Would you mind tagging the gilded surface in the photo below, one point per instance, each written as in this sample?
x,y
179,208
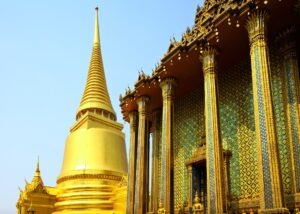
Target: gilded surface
x,y
141,182
271,193
132,161
214,150
95,163
168,88
95,94
36,196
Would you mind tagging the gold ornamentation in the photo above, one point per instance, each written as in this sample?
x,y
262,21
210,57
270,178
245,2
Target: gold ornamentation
x,y
161,209
268,158
95,94
89,176
208,58
95,155
197,206
133,118
142,178
214,163
36,197
168,86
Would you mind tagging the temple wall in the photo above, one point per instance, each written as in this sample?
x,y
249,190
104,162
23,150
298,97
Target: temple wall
x,y
238,130
189,127
279,111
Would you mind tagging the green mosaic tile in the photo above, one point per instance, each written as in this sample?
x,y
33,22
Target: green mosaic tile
x,y
278,102
189,126
238,130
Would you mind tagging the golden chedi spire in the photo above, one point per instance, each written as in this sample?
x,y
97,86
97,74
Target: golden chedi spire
x,y
95,160
95,96
37,173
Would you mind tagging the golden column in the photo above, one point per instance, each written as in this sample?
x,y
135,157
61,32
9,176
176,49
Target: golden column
x,y
142,168
133,120
155,153
166,191
271,193
288,52
214,162
190,185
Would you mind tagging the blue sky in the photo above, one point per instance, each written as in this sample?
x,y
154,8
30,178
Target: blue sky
x,y
45,49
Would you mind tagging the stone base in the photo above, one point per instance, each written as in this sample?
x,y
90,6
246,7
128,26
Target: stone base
x,y
274,211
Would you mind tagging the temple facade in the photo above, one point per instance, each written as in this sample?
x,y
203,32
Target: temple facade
x,y
216,127
93,178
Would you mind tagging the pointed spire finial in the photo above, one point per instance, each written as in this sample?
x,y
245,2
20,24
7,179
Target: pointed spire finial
x,y
96,32
38,165
95,96
37,170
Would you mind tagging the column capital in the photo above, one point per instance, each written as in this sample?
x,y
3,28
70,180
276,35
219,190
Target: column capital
x,y
208,58
209,51
143,105
256,25
168,85
133,115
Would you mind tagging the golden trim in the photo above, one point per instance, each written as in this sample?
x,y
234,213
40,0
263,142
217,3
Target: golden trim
x,y
89,176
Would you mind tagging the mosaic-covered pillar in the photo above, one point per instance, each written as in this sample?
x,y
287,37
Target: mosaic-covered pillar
x,y
291,93
214,154
155,153
271,191
166,191
142,167
133,121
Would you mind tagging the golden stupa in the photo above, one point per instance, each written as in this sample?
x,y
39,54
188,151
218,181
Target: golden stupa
x,y
93,177
95,155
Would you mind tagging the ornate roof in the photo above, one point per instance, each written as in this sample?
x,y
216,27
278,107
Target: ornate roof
x,y
217,23
37,184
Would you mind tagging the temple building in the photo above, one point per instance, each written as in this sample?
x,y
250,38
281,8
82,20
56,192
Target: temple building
x,y
36,197
220,114
93,178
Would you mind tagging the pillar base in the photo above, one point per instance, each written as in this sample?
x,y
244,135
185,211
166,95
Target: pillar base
x,y
274,211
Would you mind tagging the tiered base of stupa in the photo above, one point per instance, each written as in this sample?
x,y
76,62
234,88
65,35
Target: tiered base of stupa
x,y
89,194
